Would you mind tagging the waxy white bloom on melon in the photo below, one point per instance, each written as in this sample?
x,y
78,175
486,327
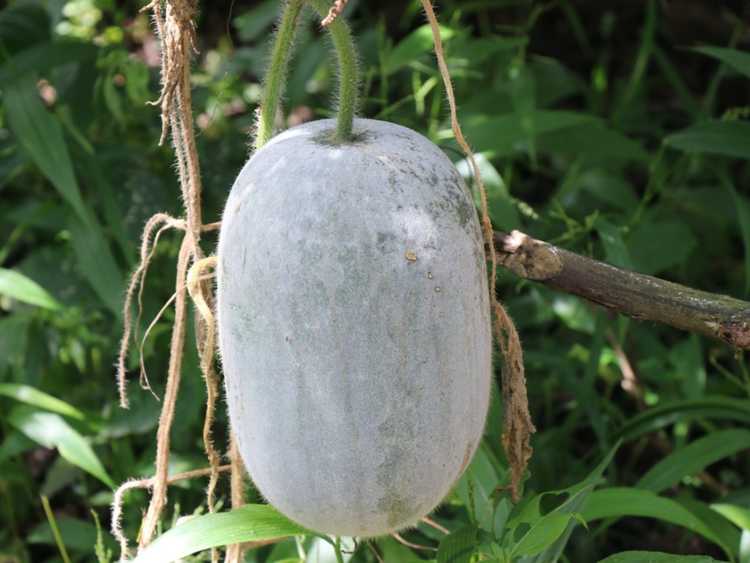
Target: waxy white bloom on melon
x,y
354,325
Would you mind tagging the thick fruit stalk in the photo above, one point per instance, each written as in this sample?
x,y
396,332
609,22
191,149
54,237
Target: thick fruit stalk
x,y
273,88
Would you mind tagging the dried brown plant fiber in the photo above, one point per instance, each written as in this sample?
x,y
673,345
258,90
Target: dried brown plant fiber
x,y
517,424
146,484
334,12
173,21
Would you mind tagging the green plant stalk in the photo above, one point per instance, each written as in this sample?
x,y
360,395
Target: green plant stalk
x,y
55,529
103,555
337,550
346,53
273,87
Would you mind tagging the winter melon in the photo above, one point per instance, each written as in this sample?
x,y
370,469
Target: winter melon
x,y
354,325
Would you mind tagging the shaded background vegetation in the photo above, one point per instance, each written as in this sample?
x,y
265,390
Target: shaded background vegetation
x,y
600,128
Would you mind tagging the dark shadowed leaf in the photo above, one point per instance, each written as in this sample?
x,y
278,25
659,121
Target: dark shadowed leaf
x,y
504,134
41,137
738,60
578,495
656,557
252,23
742,205
656,245
661,416
694,457
728,138
97,263
593,143
458,546
22,24
617,502
45,56
78,535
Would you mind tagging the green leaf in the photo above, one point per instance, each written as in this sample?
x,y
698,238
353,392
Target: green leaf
x,y
391,550
458,546
97,263
615,250
417,43
738,60
742,204
656,418
579,494
657,245
505,134
51,431
252,522
727,138
739,516
252,23
39,399
14,444
542,534
719,526
41,137
17,286
477,486
499,202
40,134
22,24
693,458
45,56
574,313
610,188
656,557
617,502
593,142
78,535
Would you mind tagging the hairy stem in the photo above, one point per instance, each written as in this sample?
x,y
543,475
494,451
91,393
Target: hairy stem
x,y
346,53
273,87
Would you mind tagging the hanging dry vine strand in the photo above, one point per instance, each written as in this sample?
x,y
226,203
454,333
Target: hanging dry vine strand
x,y
159,492
149,244
175,28
517,424
163,221
173,20
116,505
236,552
207,346
146,484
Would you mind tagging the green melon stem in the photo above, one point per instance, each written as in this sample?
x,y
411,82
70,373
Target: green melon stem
x,y
346,53
273,87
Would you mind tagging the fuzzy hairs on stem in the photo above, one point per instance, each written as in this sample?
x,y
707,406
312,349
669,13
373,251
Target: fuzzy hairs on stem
x,y
273,86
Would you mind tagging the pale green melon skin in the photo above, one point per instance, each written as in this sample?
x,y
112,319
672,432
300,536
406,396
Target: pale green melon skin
x,y
357,377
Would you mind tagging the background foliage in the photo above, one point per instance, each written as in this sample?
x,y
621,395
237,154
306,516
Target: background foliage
x,y
615,129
